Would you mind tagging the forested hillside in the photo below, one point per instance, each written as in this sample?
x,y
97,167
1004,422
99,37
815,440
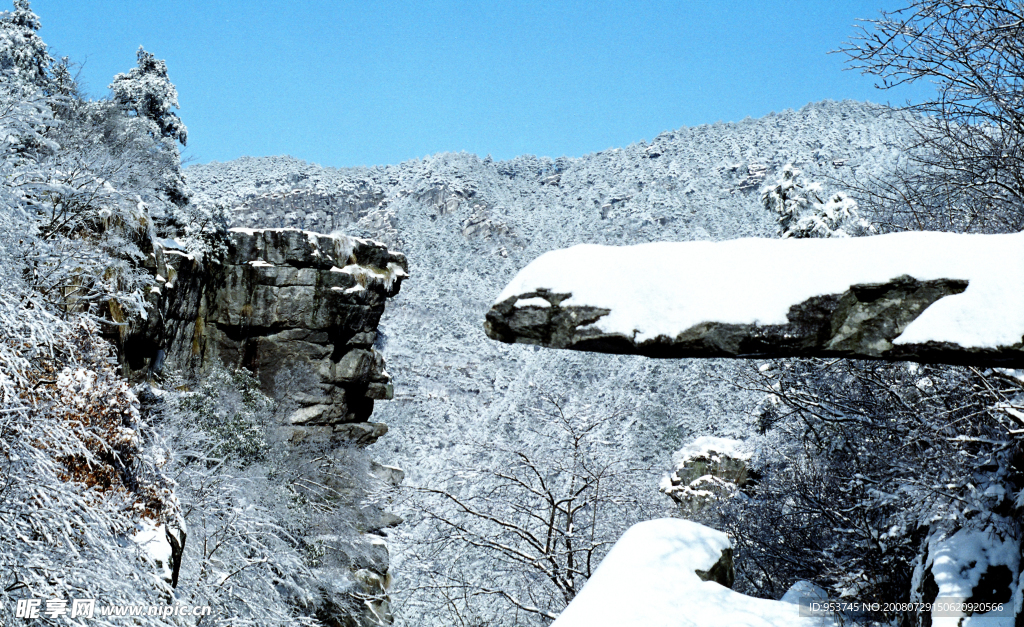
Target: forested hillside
x,y
463,404
140,472
196,414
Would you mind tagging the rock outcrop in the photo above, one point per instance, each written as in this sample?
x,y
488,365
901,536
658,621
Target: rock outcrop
x,y
300,310
708,469
926,297
860,323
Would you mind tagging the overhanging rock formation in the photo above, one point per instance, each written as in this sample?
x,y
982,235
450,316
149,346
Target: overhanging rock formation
x,y
927,297
298,309
301,310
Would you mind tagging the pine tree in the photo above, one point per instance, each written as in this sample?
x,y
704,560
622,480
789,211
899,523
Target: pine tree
x,y
147,92
23,54
802,212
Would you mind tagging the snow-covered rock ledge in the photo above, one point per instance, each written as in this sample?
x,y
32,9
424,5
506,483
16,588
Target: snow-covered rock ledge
x,y
927,297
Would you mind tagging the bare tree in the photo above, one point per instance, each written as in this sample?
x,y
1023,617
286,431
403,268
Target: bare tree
x,y
861,463
966,171
517,536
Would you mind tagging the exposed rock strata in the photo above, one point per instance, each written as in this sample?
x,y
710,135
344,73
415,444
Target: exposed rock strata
x,y
861,323
300,310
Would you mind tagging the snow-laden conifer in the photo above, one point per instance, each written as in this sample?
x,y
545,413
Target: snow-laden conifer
x,y
147,92
23,54
801,211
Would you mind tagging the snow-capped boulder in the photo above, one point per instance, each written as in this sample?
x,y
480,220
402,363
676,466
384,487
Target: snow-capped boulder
x,y
657,575
927,297
707,469
804,591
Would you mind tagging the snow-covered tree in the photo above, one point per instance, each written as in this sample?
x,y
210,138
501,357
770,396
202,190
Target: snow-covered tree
x,y
23,54
77,482
801,211
514,536
861,462
147,92
966,169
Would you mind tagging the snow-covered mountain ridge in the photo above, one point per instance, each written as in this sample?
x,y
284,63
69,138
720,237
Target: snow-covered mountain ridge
x,y
468,224
634,191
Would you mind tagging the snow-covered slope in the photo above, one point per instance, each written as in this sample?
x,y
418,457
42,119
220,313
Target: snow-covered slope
x,y
468,224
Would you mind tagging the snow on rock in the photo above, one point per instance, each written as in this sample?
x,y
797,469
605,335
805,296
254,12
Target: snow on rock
x,y
649,579
152,542
713,446
943,297
977,567
533,302
707,469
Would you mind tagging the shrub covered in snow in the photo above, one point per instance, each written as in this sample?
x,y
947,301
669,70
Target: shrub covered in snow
x,y
78,482
865,466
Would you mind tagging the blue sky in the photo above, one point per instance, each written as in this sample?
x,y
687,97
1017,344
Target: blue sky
x,y
363,83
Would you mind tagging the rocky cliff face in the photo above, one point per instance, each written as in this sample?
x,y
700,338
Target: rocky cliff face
x,y
299,310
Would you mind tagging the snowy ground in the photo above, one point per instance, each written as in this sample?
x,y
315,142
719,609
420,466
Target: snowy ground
x,y
649,579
